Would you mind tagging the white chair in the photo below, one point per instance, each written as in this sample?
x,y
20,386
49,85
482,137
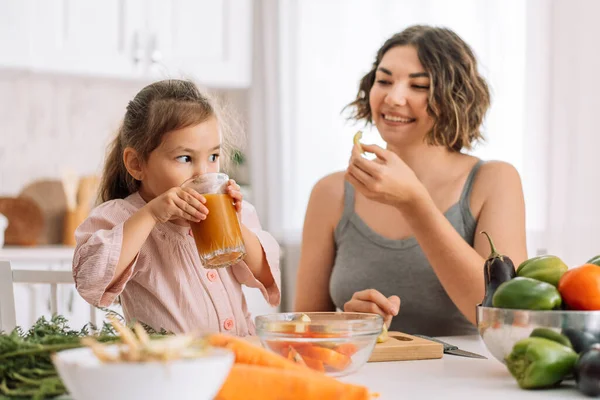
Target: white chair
x,y
9,276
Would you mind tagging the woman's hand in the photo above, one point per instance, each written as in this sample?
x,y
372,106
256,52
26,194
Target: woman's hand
x,y
182,203
233,189
372,301
387,179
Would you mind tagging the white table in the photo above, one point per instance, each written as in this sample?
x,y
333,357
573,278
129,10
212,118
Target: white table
x,y
451,377
448,378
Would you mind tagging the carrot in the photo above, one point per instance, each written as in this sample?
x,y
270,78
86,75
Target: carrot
x,y
312,363
283,347
268,383
247,353
329,357
347,349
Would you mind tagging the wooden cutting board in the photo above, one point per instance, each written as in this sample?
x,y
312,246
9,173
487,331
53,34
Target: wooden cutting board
x,y
25,221
402,347
399,347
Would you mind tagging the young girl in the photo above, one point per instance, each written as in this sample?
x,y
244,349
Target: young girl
x,y
138,244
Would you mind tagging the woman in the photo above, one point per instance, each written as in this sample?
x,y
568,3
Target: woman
x,y
405,225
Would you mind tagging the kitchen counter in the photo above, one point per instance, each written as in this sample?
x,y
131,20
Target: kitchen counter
x,y
451,377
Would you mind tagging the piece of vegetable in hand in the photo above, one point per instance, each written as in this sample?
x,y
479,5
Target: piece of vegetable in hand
x,y
383,336
356,140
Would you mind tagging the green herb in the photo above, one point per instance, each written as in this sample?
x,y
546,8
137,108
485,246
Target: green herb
x,y
26,369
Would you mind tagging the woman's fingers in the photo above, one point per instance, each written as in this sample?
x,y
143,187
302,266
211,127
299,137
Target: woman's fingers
x,y
379,152
363,306
379,299
359,175
395,301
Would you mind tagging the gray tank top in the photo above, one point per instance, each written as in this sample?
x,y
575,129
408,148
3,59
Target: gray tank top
x,y
365,259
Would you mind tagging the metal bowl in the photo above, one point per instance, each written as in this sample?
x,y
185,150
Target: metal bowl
x,y
501,328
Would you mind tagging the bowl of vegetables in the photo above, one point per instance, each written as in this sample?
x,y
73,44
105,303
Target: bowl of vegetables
x,y
177,366
542,320
336,343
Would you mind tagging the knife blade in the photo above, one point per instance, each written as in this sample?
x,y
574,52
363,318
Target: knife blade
x,y
452,349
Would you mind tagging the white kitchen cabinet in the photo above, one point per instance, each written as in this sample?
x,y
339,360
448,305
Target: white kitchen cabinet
x,y
87,37
209,41
14,29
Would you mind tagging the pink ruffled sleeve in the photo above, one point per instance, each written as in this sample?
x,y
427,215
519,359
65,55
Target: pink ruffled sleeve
x,y
99,239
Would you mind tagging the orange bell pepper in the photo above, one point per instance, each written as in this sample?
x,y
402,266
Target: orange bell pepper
x,y
580,287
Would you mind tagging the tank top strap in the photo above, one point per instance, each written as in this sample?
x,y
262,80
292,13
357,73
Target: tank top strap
x,y
348,206
468,188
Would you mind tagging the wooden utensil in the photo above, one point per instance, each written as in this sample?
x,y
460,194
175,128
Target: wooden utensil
x,y
80,198
50,197
25,221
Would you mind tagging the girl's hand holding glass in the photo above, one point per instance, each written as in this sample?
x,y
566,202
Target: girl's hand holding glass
x,y
179,203
233,189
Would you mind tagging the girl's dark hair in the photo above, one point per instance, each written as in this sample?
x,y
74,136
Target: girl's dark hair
x,y
458,96
158,108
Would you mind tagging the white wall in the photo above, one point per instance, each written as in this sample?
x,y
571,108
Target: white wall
x,y
51,123
573,213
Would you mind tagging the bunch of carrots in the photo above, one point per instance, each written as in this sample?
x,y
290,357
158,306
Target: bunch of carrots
x,y
261,374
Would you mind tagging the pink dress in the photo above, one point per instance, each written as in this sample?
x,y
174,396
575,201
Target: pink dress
x,y
166,286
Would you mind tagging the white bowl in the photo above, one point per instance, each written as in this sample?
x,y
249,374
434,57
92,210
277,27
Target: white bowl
x,y
86,378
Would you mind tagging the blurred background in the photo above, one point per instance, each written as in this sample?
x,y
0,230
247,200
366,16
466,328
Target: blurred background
x,y
285,68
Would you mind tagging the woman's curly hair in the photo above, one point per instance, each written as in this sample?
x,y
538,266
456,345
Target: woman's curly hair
x,y
458,96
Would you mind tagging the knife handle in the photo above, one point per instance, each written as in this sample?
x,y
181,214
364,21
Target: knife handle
x,y
447,346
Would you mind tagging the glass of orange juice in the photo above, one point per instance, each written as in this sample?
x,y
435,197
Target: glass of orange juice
x,y
219,237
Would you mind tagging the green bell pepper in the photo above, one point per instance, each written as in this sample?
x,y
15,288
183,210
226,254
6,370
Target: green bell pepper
x,y
543,268
538,363
527,294
551,335
594,260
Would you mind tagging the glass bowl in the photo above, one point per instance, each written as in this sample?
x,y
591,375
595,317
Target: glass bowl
x,y
336,343
501,328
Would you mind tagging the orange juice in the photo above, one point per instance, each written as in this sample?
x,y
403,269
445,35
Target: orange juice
x,y
219,237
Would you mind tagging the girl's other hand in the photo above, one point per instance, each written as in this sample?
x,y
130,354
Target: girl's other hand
x,y
233,189
372,301
182,203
